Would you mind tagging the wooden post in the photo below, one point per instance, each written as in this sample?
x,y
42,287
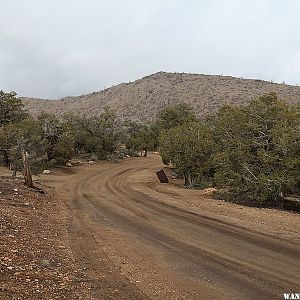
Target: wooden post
x,y
6,157
27,172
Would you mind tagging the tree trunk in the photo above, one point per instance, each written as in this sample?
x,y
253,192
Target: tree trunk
x,y
27,172
14,174
188,181
185,179
5,158
189,177
145,153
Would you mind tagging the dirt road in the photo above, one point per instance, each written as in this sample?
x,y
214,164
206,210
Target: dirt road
x,y
138,239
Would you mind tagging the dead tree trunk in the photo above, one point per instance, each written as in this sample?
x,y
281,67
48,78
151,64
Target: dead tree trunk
x,y
27,172
6,157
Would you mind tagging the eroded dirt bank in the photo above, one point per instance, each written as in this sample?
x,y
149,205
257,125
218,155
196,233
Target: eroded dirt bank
x,y
135,238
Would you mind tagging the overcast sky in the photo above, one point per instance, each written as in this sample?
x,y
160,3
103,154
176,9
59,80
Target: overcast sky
x,y
55,48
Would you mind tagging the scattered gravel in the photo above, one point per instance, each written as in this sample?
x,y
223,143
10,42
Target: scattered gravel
x,y
35,262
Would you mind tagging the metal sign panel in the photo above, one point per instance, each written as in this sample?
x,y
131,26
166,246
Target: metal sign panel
x,y
162,176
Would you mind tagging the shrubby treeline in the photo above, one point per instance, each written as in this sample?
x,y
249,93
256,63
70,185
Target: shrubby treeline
x,y
252,153
249,153
52,141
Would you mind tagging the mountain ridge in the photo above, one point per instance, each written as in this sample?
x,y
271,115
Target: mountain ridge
x,y
141,99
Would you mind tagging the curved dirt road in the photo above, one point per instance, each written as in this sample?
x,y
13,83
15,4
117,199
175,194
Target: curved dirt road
x,y
135,244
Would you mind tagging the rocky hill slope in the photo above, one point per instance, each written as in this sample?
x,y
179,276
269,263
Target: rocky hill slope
x,y
142,99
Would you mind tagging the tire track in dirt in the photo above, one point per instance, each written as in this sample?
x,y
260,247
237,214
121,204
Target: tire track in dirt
x,y
106,280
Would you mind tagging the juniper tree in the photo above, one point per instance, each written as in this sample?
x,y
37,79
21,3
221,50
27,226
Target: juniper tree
x,y
189,147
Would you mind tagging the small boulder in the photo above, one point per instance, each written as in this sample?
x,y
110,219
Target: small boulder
x,y
68,164
209,191
91,162
46,172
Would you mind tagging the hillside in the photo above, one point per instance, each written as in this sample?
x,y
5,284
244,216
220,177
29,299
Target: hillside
x,y
143,98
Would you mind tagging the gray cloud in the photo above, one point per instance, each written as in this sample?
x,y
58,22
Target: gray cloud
x,y
54,48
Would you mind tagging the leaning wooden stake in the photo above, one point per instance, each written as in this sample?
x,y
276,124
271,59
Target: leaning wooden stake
x,y
27,172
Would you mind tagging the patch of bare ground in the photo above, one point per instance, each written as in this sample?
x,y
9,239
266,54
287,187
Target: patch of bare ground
x,y
35,258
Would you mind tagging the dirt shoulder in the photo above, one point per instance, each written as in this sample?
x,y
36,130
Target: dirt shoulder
x,y
35,258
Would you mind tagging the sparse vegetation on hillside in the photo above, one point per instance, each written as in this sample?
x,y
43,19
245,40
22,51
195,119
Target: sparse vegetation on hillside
x,y
142,99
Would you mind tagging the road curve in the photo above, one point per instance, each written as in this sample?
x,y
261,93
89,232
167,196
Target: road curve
x,y
238,263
